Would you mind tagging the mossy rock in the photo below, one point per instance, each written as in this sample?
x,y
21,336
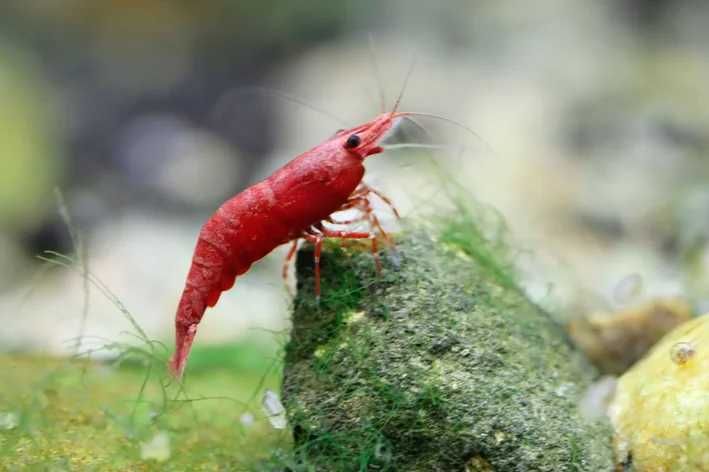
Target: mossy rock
x,y
439,363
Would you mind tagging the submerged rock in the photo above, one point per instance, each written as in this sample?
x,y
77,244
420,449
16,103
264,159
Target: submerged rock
x,y
615,341
661,407
440,363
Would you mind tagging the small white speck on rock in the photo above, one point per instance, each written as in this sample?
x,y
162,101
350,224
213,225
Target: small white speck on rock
x,y
682,352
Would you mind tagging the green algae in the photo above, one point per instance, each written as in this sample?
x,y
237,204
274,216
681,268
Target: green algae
x,y
440,363
84,415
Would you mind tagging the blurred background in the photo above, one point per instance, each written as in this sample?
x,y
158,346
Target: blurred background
x,y
147,114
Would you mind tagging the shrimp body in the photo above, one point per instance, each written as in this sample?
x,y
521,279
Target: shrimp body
x,y
281,208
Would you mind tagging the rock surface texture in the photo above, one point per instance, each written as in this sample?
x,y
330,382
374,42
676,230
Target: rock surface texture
x,y
661,406
438,364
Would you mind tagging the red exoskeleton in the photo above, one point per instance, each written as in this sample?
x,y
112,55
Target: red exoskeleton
x,y
296,201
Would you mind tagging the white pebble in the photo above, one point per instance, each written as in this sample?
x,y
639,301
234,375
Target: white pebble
x,y
274,410
9,420
594,402
157,449
247,419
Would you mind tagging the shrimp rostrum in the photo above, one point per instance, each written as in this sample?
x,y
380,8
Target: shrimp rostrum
x,y
296,202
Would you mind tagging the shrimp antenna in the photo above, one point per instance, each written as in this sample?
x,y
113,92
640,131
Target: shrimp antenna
x,y
420,127
269,92
431,146
451,121
403,87
377,74
419,146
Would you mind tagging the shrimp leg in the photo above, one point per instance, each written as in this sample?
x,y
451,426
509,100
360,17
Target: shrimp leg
x,y
315,235
287,261
364,190
316,240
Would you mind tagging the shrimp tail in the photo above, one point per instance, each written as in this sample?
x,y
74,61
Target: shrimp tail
x,y
189,314
208,277
184,338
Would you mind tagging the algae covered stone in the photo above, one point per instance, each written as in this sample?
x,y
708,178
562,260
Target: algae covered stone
x,y
438,364
661,407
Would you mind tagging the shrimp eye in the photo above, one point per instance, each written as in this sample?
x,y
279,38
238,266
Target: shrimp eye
x,y
352,142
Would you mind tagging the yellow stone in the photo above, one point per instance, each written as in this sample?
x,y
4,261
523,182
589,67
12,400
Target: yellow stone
x,y
661,407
